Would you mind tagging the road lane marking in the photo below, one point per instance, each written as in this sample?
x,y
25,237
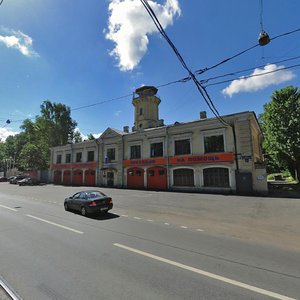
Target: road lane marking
x,y
137,218
200,229
8,208
124,216
167,223
207,274
149,220
55,224
184,227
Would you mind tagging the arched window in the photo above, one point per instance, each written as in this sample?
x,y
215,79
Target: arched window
x,y
216,177
183,177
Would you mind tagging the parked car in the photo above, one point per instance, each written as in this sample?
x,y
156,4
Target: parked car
x,y
15,179
3,179
89,202
28,181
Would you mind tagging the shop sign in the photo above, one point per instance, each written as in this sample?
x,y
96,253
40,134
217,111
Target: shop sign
x,y
144,162
206,158
75,165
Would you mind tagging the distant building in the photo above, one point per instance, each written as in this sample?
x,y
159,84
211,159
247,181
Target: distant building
x,y
203,155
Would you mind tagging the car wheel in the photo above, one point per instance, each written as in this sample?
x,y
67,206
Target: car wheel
x,y
66,206
83,211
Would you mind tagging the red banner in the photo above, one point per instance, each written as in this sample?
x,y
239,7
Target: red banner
x,y
144,162
205,158
86,165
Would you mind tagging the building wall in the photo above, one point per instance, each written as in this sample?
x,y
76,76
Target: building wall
x,y
190,172
84,165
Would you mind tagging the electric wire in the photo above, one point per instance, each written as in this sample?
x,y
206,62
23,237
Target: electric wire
x,y
100,102
254,75
200,87
202,90
203,81
200,71
261,14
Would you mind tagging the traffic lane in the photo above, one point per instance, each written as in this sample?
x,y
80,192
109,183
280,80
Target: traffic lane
x,y
45,271
140,237
249,218
249,254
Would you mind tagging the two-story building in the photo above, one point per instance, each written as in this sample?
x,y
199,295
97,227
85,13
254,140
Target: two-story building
x,y
205,155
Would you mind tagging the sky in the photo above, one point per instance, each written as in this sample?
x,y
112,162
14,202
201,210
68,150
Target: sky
x,y
91,56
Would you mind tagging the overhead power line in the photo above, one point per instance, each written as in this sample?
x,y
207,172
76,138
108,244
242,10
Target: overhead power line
x,y
201,71
203,81
254,75
192,75
201,89
101,102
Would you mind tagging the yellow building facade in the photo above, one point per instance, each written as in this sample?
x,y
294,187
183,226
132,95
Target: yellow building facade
x,y
204,155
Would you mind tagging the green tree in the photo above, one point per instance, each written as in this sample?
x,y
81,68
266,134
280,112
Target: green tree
x,y
52,128
77,138
34,156
56,123
90,137
281,126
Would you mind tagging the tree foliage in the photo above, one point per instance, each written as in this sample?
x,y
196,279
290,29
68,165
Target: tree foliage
x,y
281,126
31,148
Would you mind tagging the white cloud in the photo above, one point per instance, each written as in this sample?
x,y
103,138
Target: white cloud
x,y
129,27
5,132
257,83
18,40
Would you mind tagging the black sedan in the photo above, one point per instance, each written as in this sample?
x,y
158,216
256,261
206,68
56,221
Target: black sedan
x,y
89,202
3,179
27,181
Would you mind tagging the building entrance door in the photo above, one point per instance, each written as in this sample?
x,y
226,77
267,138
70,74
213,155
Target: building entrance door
x,y
110,179
157,178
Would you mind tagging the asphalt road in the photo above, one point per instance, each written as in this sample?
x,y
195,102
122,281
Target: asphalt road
x,y
152,245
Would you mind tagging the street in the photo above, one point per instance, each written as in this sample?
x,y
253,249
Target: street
x,y
152,245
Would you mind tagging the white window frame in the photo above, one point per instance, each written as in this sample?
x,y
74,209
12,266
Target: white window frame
x,y
157,140
179,138
230,174
212,133
135,144
182,167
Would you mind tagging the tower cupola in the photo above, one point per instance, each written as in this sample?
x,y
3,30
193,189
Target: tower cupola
x,y
145,108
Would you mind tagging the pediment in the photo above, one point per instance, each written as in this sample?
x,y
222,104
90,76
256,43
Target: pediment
x,y
110,133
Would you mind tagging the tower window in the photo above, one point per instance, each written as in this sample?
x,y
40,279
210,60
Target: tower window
x,y
141,111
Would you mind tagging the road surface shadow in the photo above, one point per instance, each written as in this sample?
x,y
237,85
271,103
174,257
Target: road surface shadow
x,y
102,217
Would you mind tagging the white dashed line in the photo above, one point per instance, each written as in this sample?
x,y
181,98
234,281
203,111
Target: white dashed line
x,y
208,274
167,223
137,218
12,209
200,229
149,220
55,224
126,216
184,227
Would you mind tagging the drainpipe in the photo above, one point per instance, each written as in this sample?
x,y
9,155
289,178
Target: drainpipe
x,y
167,150
235,147
122,166
97,161
71,164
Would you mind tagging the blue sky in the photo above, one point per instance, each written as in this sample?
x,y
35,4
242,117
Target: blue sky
x,y
85,52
